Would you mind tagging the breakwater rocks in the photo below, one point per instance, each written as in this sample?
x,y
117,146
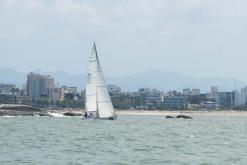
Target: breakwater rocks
x,y
184,117
170,117
20,110
72,114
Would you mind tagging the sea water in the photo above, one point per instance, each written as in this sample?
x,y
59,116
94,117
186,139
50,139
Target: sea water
x,y
127,140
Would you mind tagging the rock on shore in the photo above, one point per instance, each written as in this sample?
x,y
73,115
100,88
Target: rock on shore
x,y
20,110
71,114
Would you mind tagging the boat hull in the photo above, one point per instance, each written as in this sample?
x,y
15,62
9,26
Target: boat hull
x,y
109,118
99,118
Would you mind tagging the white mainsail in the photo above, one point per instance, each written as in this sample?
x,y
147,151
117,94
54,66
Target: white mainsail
x,y
97,96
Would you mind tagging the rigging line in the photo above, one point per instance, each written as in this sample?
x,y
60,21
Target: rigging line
x,y
92,60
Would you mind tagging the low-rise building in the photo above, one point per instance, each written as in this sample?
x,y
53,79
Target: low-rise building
x,y
7,89
150,98
194,107
210,105
113,88
58,94
175,102
69,93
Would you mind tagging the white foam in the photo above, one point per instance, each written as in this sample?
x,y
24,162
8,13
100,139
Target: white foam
x,y
56,114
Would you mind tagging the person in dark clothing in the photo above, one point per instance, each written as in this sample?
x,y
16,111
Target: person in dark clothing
x,y
85,115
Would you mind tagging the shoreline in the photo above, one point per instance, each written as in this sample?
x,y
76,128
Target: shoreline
x,y
190,113
166,113
29,111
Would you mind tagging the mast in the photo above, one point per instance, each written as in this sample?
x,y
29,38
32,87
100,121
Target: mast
x,y
97,111
96,55
97,105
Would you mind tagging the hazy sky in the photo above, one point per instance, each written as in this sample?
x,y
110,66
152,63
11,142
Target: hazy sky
x,y
199,38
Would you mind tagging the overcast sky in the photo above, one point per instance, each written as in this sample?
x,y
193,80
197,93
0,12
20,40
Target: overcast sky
x,y
199,38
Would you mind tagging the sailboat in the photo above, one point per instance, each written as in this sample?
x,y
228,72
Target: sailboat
x,y
98,101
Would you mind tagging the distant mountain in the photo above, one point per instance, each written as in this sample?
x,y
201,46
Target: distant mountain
x,y
63,78
12,76
167,80
162,80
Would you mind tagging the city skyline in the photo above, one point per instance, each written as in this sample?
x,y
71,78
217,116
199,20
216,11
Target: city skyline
x,y
153,79
41,91
198,38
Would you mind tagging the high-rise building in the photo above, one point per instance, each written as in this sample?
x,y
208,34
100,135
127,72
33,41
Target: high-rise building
x,y
226,100
241,97
39,86
186,92
214,90
195,92
214,94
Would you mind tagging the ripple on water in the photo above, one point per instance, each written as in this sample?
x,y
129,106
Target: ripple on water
x,y
128,140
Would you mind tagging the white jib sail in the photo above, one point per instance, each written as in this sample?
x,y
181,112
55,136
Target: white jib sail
x,y
91,104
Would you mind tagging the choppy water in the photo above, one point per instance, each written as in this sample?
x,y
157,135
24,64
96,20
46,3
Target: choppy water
x,y
128,140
